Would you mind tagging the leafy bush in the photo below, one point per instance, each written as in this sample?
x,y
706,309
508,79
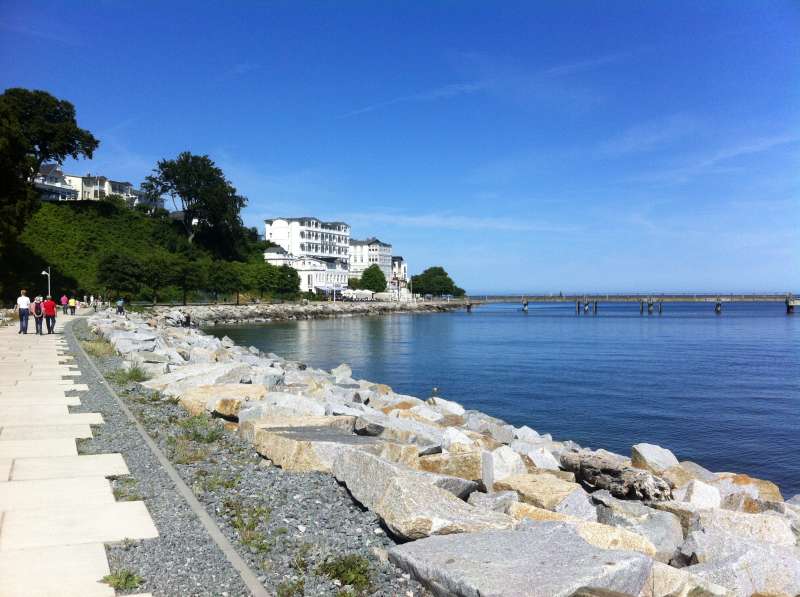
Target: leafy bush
x,y
123,376
98,348
200,429
350,570
123,580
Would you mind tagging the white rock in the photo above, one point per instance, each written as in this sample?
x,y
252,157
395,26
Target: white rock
x,y
652,457
447,407
453,437
500,464
526,434
700,494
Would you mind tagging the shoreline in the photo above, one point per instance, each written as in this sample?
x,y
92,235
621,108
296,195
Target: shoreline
x,y
430,467
210,315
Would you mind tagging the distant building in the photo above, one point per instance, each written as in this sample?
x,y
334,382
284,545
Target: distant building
x,y
399,271
317,250
54,185
371,251
316,275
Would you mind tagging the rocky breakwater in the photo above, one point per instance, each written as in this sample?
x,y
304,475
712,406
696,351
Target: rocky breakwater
x,y
206,315
484,508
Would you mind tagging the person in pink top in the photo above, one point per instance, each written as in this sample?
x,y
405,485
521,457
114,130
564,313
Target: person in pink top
x,y
64,303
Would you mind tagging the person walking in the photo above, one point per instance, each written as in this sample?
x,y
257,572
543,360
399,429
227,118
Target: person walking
x,y
72,304
23,306
50,310
37,310
120,306
64,302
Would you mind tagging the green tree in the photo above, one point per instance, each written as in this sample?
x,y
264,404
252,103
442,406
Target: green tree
x,y
120,273
209,203
159,271
288,281
263,277
354,283
435,281
35,127
223,278
189,275
373,279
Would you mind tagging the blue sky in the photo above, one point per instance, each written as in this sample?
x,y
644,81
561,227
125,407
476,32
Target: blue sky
x,y
547,146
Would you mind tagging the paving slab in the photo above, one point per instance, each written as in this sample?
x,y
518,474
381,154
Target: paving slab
x,y
95,523
46,493
60,571
45,432
70,419
37,448
36,400
33,411
88,465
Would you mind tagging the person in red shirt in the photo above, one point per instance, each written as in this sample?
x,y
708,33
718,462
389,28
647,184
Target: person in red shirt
x,y
49,306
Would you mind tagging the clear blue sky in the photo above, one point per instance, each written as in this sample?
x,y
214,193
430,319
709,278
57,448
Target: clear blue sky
x,y
524,146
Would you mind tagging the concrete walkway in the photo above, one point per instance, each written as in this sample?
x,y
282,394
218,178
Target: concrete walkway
x,y
57,508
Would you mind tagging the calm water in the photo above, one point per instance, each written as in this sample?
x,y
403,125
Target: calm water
x,y
723,391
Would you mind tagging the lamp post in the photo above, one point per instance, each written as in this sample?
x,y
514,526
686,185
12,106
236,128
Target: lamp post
x,y
47,273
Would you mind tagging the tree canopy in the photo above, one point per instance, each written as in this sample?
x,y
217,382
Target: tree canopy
x,y
209,203
35,127
435,281
373,279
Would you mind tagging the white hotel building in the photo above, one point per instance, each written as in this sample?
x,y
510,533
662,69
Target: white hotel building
x,y
364,253
318,250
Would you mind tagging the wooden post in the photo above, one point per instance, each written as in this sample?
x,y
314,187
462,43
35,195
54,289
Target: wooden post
x,y
641,307
595,307
660,307
577,307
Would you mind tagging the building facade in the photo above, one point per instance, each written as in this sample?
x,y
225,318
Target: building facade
x,y
54,185
318,250
364,253
399,272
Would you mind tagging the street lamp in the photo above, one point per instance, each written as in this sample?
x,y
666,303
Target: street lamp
x,y
47,273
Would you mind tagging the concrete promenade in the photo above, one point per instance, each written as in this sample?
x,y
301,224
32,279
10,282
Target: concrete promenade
x,y
57,508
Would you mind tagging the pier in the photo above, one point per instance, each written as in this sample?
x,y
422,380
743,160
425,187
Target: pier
x,y
651,303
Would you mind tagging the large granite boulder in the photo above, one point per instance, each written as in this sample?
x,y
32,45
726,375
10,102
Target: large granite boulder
x,y
551,493
281,404
526,434
466,465
652,458
766,528
729,483
305,449
247,429
411,503
601,471
549,560
456,440
594,533
446,407
680,474
700,494
663,529
223,399
495,428
177,382
427,437
748,568
500,463
496,501
539,457
666,581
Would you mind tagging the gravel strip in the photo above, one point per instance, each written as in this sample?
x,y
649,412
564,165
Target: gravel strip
x,y
287,526
183,560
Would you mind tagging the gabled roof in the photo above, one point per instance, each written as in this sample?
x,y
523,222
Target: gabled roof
x,y
370,241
